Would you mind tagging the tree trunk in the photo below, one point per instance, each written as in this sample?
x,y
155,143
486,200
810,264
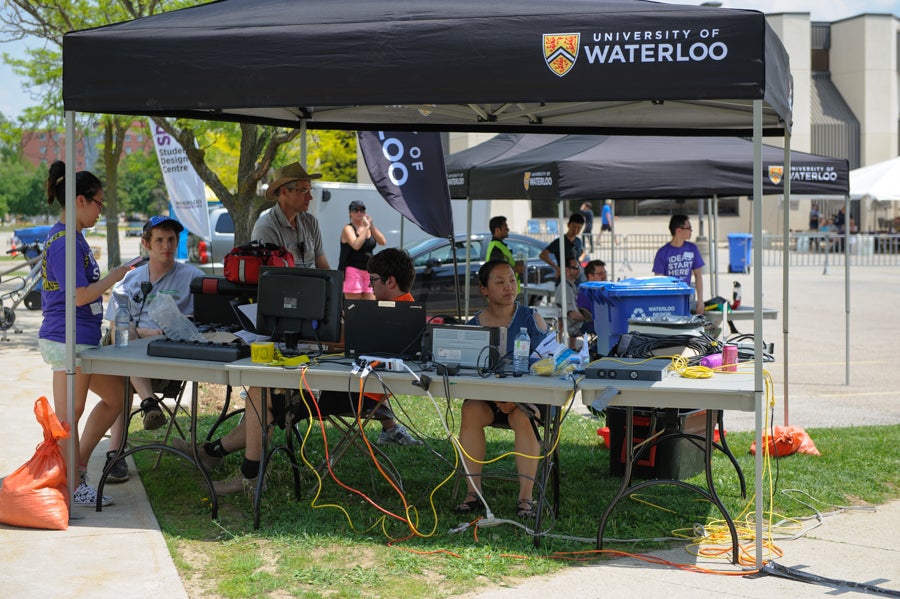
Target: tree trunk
x,y
113,140
258,148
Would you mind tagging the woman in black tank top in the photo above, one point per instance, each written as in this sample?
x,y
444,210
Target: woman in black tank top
x,y
358,239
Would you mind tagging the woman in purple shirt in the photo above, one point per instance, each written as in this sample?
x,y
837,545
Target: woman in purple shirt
x,y
89,288
680,258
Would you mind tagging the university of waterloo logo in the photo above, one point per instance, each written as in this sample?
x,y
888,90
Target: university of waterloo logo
x,y
775,174
561,51
527,180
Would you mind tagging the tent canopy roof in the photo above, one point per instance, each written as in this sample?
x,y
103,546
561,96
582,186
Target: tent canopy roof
x,y
590,167
879,181
566,66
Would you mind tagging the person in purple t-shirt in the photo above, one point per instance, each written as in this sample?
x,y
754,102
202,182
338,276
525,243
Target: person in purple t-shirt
x,y
680,258
89,289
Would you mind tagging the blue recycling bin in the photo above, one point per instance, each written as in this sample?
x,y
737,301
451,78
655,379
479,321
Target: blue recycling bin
x,y
613,304
739,247
32,234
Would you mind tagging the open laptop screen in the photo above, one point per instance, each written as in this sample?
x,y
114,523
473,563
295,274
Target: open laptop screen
x,y
383,328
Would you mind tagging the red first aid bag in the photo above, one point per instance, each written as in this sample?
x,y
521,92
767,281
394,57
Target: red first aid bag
x,y
34,496
242,264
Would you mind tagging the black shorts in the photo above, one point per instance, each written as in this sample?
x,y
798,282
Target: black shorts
x,y
606,227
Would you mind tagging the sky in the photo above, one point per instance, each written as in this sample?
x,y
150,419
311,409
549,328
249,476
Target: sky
x,y
14,98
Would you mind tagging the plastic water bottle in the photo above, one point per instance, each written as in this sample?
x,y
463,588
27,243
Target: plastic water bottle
x,y
123,323
521,349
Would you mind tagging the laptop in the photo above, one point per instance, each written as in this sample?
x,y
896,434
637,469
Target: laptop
x,y
386,329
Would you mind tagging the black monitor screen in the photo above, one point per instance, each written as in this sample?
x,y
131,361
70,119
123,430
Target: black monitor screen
x,y
302,300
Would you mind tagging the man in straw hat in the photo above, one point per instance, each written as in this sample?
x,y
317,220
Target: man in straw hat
x,y
288,223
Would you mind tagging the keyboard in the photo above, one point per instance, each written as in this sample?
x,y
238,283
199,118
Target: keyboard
x,y
212,351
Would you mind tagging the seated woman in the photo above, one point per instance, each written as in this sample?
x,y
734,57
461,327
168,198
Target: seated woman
x,y
498,285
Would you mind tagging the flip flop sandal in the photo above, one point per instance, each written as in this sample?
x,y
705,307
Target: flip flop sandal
x,y
526,509
473,506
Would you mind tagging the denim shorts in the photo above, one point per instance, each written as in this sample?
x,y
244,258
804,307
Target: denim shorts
x,y
54,353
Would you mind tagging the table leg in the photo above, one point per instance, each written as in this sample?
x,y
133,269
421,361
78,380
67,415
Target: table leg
x,y
263,454
552,425
194,458
626,489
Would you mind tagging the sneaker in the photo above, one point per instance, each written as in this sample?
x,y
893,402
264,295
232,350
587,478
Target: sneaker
x,y
86,495
153,415
209,462
237,484
118,473
398,436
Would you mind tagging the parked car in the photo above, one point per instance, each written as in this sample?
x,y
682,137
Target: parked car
x,y
134,228
433,259
208,255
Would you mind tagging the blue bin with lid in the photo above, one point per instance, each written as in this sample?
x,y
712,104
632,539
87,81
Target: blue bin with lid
x,y
613,304
739,246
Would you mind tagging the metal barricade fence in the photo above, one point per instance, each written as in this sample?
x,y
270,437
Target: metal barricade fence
x,y
806,249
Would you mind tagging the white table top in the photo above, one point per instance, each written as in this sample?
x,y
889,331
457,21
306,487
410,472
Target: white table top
x,y
333,376
134,361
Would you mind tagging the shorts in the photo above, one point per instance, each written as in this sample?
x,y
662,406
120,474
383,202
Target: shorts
x,y
54,353
606,228
356,281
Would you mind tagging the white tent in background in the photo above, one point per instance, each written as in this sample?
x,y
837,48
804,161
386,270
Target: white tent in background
x,y
879,181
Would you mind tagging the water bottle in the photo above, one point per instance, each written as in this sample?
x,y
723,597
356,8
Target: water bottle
x,y
123,323
736,296
521,350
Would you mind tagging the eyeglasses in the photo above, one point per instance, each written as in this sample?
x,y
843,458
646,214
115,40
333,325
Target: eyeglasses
x,y
358,210
302,190
570,267
374,279
99,203
686,228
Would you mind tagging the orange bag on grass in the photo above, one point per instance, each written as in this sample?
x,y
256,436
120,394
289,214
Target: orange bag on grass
x,y
785,441
34,496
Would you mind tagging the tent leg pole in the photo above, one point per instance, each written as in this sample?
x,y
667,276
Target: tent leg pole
x,y
757,322
71,458
847,290
785,271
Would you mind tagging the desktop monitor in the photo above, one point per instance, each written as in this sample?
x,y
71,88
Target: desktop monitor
x,y
306,301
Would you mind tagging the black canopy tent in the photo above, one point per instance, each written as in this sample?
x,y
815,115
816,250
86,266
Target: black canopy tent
x,y
585,167
571,66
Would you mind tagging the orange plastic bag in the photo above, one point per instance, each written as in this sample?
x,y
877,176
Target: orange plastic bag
x,y
785,441
34,496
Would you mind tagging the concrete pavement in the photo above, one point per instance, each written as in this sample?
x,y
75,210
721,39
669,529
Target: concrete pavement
x,y
120,551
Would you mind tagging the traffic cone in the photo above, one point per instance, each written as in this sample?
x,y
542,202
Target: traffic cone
x,y
13,251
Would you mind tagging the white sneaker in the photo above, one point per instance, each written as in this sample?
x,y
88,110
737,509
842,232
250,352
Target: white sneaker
x,y
86,495
398,436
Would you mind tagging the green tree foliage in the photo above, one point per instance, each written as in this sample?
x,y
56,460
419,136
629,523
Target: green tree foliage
x,y
232,159
49,20
141,186
21,188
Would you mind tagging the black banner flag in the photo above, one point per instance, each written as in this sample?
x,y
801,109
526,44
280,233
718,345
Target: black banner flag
x,y
408,170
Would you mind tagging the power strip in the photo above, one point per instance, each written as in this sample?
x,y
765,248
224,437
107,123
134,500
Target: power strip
x,y
391,364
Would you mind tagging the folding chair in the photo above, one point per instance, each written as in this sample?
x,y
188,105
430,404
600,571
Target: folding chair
x,y
339,409
546,412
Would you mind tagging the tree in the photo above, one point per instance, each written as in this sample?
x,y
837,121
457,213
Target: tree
x,y
232,159
49,20
141,186
258,148
21,187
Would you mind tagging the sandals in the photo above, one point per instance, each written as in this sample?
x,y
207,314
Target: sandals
x,y
473,506
526,509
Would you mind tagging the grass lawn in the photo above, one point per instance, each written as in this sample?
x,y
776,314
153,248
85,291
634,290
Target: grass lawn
x,y
351,539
